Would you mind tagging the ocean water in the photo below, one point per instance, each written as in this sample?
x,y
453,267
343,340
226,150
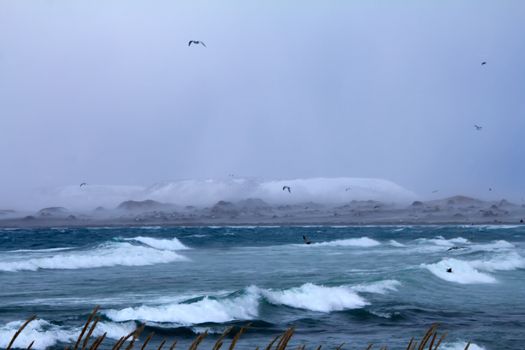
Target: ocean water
x,y
379,284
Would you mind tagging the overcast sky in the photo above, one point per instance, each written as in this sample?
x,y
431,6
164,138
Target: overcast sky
x,y
108,92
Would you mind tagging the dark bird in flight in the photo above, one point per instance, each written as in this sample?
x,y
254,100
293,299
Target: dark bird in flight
x,y
490,188
483,63
348,189
83,184
449,270
287,188
435,191
306,240
478,128
196,42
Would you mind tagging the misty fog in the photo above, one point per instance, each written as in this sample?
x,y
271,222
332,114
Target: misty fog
x,y
109,93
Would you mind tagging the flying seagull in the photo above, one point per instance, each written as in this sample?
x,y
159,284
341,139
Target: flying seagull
x,y
306,240
478,128
435,191
347,189
287,188
83,184
196,42
483,63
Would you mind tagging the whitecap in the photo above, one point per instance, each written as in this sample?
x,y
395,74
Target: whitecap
x,y
460,345
244,307
475,271
396,244
113,254
45,334
42,332
493,246
38,250
157,243
350,242
316,298
379,287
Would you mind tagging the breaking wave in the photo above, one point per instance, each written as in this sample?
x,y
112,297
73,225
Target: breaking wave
x,y
443,242
350,242
316,298
493,246
244,307
38,250
45,334
164,244
380,287
396,244
245,304
475,271
111,254
460,346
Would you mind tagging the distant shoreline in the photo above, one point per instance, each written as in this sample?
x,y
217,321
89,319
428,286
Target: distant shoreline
x,y
457,210
58,223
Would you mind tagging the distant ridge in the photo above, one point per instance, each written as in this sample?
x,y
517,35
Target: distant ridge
x,y
144,205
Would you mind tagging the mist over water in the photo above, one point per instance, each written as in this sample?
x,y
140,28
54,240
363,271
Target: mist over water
x,y
208,192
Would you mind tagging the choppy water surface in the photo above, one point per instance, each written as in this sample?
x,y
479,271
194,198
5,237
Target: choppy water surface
x,y
352,284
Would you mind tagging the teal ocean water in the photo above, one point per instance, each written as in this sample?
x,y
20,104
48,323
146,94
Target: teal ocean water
x,y
380,284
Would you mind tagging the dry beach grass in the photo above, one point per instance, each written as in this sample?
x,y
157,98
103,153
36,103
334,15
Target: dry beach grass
x,y
431,340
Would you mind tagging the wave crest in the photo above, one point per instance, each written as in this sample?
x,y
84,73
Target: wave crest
x,y
350,242
113,254
468,272
460,346
205,310
45,334
157,243
244,304
316,298
380,287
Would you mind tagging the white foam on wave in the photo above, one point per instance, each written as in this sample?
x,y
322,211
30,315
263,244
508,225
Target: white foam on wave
x,y
498,227
443,242
244,307
350,242
508,262
113,254
45,334
41,331
226,308
396,244
158,243
460,345
316,298
38,250
379,287
439,243
113,330
493,246
474,271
